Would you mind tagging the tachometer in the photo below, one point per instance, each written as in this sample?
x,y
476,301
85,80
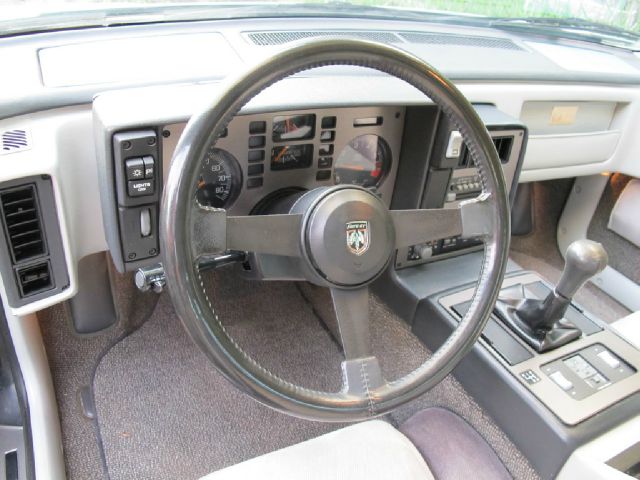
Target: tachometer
x,y
220,179
365,161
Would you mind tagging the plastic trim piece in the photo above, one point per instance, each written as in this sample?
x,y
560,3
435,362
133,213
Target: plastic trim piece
x,y
43,412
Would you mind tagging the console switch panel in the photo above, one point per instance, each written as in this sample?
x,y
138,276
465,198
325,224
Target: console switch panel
x,y
585,372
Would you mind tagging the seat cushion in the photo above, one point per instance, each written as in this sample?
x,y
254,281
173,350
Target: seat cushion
x,y
452,448
372,450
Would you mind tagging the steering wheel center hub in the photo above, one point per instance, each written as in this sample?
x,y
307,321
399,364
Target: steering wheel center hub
x,y
348,236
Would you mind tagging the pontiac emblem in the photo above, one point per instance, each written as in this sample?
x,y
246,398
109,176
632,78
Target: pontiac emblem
x,y
358,236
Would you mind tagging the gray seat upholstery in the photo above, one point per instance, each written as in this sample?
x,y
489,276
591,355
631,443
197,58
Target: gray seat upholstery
x,y
452,448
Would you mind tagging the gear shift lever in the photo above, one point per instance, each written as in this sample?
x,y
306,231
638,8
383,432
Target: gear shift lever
x,y
541,323
583,260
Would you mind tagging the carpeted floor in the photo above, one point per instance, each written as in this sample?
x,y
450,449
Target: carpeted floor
x,y
72,360
165,412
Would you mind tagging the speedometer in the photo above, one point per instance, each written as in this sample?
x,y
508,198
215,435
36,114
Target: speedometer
x,y
365,161
220,179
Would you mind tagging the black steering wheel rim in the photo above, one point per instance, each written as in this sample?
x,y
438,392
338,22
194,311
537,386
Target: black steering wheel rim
x,y
178,224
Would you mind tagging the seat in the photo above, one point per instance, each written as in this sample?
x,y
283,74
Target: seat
x,y
375,450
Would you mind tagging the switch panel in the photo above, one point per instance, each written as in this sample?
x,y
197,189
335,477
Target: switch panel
x,y
587,371
138,182
136,171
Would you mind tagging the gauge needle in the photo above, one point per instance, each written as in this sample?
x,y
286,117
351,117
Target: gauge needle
x,y
282,152
201,183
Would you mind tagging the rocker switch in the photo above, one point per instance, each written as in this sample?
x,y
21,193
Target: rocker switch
x,y
145,222
149,166
135,168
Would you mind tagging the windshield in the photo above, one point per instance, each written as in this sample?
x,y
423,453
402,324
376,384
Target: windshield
x,y
613,22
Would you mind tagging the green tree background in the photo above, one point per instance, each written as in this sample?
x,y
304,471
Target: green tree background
x,y
623,14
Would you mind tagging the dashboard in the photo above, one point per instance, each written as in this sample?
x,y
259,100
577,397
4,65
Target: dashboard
x,y
89,120
409,155
555,114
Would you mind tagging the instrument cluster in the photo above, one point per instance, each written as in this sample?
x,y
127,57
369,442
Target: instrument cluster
x,y
260,154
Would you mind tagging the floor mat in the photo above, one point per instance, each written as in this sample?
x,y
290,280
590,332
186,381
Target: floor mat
x,y
72,359
165,412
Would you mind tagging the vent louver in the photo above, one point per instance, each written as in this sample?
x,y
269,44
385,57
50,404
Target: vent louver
x,y
22,223
503,147
13,141
459,40
280,38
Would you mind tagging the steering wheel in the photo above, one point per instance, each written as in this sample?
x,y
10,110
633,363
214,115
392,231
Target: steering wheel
x,y
340,237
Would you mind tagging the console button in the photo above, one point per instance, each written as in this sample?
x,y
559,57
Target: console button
x,y
328,122
149,166
257,142
325,162
561,381
597,381
454,147
608,358
255,169
134,168
323,175
326,150
254,182
256,155
140,188
327,136
257,127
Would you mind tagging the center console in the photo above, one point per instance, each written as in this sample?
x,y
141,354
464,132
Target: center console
x,y
550,403
575,381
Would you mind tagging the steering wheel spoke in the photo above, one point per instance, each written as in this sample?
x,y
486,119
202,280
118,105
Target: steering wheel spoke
x,y
362,377
470,218
270,234
361,372
214,232
352,313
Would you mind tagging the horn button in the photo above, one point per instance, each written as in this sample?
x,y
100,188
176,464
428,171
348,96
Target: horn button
x,y
348,236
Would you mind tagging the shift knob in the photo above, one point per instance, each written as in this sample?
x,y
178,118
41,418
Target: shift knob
x,y
583,260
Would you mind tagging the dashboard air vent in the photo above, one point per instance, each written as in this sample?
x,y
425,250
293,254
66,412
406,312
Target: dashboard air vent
x,y
280,38
22,222
459,40
503,147
13,141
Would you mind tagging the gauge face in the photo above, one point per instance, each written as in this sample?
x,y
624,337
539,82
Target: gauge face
x,y
220,179
294,127
365,161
